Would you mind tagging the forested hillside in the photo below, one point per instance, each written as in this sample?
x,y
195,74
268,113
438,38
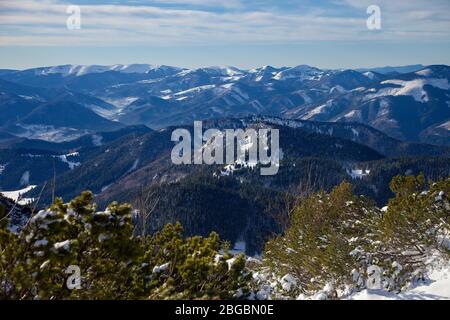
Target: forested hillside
x,y
333,245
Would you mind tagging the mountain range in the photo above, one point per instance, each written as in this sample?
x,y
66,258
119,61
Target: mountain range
x,y
65,102
107,129
125,164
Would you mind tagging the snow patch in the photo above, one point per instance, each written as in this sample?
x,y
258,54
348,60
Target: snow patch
x,y
369,75
354,114
161,268
412,88
133,166
64,245
25,179
425,72
50,133
358,173
444,126
80,70
120,103
72,165
318,110
338,89
106,187
436,287
96,140
302,72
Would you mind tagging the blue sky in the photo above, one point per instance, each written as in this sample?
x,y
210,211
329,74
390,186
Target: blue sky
x,y
244,33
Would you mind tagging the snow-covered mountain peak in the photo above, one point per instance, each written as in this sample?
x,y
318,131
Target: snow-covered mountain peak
x,y
303,72
264,69
80,70
228,70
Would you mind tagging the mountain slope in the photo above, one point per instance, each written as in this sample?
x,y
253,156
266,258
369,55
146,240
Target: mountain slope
x,y
410,105
68,114
128,164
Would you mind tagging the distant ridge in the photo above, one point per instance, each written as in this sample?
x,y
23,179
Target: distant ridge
x,y
390,69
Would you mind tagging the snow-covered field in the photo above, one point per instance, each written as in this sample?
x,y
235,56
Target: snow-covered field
x,y
72,164
414,88
16,195
436,287
358,173
51,133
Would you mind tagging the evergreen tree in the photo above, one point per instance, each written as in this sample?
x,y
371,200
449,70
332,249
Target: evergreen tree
x,y
112,263
324,230
339,241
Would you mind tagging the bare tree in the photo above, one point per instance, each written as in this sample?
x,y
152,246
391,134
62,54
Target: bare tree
x,y
146,204
54,181
309,184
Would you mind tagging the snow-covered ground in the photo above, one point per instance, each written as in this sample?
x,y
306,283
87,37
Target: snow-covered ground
x,y
414,88
17,195
51,133
80,70
358,173
120,104
318,110
72,164
436,287
445,125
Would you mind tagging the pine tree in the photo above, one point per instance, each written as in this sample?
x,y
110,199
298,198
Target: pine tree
x,y
416,223
113,264
324,230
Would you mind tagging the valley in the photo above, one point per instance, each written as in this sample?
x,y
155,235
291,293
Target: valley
x,y
108,129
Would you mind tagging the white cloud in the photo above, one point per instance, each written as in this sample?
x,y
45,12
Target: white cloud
x,y
211,3
33,22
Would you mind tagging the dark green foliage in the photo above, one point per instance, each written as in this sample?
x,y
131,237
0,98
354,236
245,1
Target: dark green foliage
x,y
113,263
376,185
336,238
194,269
203,203
316,246
416,221
37,162
332,239
2,211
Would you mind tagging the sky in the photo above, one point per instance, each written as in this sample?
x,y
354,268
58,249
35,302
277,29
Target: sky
x,y
242,33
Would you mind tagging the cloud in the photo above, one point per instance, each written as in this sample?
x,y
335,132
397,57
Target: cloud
x,y
43,23
201,3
